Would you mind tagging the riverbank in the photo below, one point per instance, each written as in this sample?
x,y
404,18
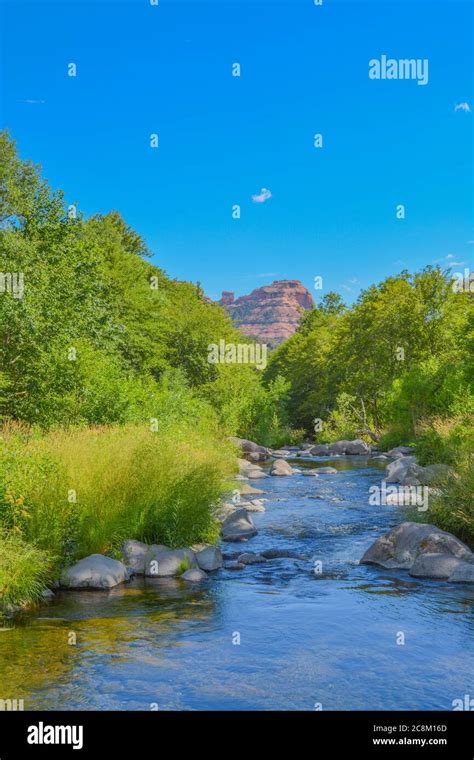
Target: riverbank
x,y
155,503
70,494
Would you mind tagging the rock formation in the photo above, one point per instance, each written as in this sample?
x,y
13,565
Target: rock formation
x,y
271,313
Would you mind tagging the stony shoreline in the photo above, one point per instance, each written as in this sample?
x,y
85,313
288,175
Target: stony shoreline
x,y
422,549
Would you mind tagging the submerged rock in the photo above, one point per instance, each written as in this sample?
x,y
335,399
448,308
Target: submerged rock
x,y
194,575
237,526
250,558
326,471
280,554
234,566
95,572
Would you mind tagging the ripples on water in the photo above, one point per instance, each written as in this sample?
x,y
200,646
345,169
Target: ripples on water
x,y
304,638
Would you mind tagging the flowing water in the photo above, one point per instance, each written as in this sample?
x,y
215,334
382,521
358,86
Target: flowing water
x,y
306,638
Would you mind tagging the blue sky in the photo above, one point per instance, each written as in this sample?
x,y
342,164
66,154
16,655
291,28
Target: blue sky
x,y
167,69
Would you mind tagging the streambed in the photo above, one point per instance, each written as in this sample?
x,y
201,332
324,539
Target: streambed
x,y
272,636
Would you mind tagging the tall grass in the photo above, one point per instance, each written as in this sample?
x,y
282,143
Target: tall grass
x,y
450,441
24,571
453,509
82,491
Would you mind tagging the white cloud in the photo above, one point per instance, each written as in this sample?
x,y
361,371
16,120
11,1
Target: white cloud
x,y
450,260
463,107
263,196
32,102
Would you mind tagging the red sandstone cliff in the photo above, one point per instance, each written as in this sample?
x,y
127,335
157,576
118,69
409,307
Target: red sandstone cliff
x,y
270,313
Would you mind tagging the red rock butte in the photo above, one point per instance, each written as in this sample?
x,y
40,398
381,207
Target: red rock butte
x,y
271,313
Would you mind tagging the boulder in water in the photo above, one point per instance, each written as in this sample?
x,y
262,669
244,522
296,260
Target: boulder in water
x,y
463,573
338,447
250,558
238,526
400,547
396,471
163,563
194,575
434,566
94,572
209,558
280,467
358,447
320,450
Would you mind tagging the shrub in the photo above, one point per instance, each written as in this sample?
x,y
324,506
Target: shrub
x,y
446,440
344,421
393,438
453,510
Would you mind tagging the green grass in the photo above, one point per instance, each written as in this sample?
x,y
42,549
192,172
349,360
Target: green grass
x,y
448,441
24,572
454,509
83,491
184,565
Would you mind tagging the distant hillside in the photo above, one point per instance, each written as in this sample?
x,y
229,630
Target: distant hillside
x,y
271,313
